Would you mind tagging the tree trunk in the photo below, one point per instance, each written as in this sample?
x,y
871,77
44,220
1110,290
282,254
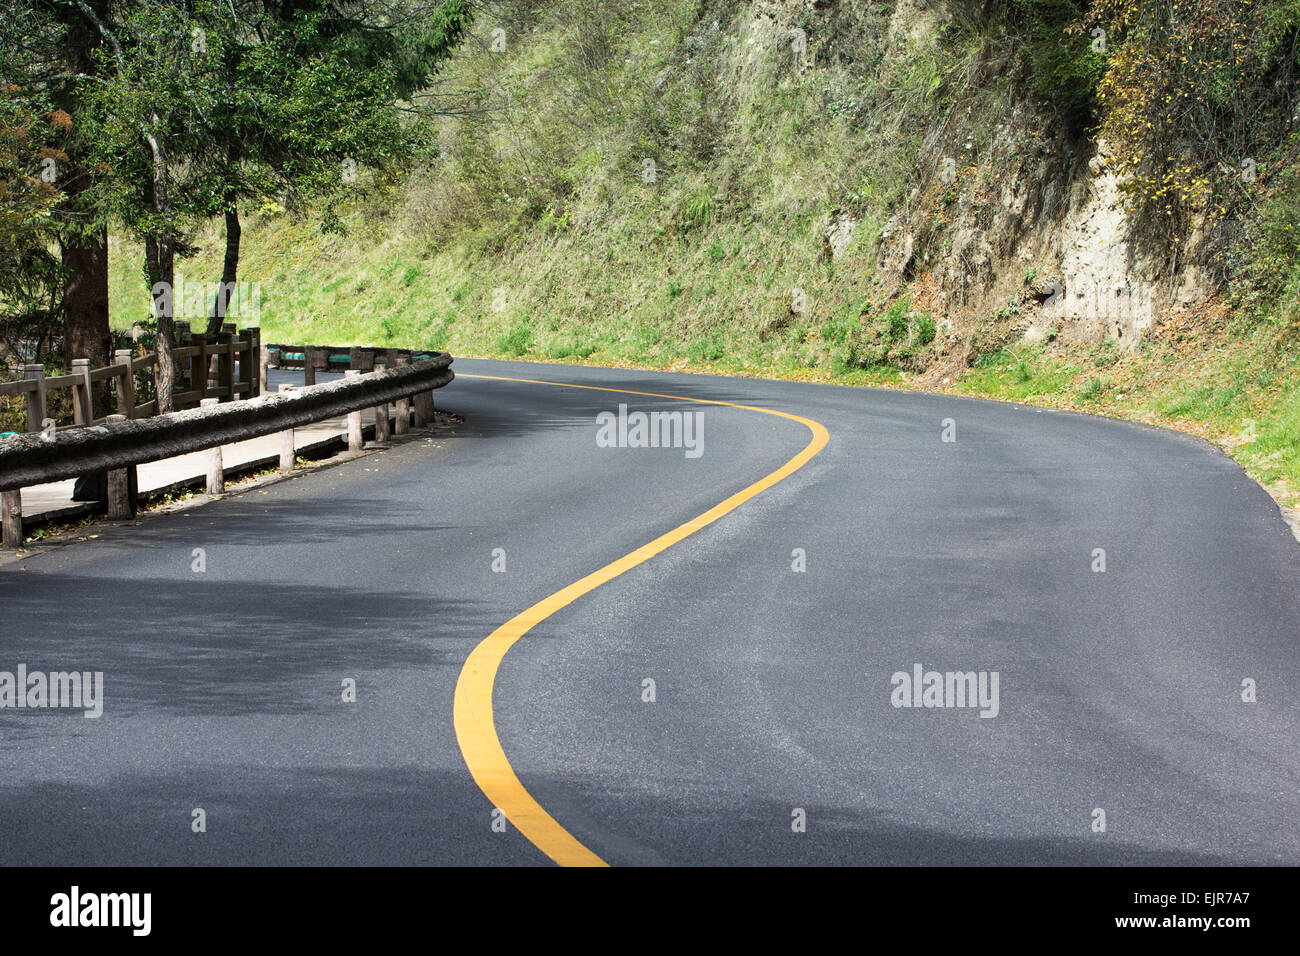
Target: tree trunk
x,y
229,268
159,266
85,257
85,299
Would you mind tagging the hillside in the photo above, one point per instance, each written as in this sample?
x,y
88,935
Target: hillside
x,y
1070,204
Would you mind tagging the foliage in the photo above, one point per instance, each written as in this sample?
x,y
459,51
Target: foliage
x,y
30,274
1196,104
1066,60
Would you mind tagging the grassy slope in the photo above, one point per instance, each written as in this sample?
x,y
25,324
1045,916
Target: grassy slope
x,y
696,270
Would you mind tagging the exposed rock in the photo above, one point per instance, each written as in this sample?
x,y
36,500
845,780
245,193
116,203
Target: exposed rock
x,y
838,234
897,254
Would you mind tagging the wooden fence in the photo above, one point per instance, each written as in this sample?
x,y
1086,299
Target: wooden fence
x,y
195,359
34,459
332,358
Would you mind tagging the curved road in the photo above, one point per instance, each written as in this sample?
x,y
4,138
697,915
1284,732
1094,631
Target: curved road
x,y
772,736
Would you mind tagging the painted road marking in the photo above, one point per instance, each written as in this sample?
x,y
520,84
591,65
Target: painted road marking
x,y
475,725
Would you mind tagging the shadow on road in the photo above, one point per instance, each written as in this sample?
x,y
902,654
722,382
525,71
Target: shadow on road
x,y
208,647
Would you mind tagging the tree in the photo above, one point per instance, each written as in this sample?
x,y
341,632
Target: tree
x,y
312,91
84,233
30,275
181,109
146,117
46,51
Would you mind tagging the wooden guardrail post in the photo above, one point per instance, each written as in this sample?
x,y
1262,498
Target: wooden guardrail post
x,y
239,384
361,359
183,337
125,383
382,433
256,376
422,402
314,359
286,441
226,360
355,442
216,477
120,503
200,363
403,404
424,406
11,519
36,397
83,412
267,358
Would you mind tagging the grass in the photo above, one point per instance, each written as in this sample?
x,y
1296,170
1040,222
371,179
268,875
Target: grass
x,y
1211,381
518,341
1022,376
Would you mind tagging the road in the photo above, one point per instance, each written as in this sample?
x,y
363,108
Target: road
x,y
772,736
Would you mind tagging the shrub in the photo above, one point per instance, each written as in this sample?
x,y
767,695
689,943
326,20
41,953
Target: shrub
x,y
925,329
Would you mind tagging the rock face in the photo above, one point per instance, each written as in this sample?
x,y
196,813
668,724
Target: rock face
x,y
1105,292
897,257
1021,209
995,213
838,234
1002,208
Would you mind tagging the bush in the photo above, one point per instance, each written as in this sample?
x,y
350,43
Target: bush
x,y
1277,252
1063,63
925,329
1195,104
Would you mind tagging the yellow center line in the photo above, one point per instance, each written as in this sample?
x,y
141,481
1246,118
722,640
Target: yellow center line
x,y
475,726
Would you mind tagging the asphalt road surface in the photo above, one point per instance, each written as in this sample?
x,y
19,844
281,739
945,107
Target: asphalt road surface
x,y
729,699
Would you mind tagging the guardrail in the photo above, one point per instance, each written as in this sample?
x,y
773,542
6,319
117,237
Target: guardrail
x,y
121,443
194,360
332,358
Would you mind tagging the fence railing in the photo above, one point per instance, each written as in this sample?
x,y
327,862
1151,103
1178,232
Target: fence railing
x,y
121,443
332,358
194,358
